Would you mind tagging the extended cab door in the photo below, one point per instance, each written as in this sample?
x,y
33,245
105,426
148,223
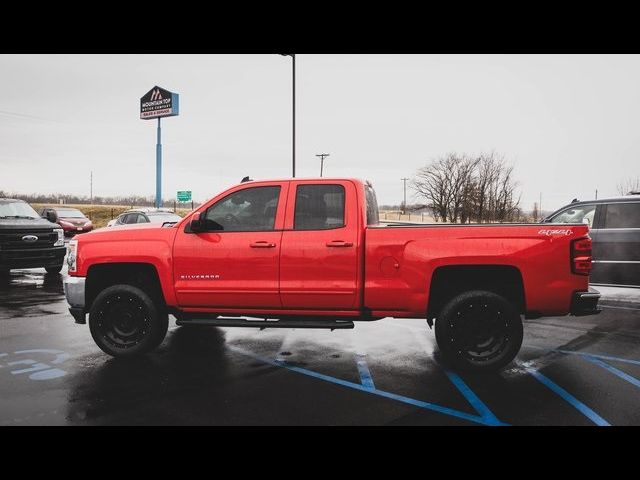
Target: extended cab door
x,y
319,261
234,262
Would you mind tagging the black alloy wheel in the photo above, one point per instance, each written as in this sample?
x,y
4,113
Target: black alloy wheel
x,y
479,330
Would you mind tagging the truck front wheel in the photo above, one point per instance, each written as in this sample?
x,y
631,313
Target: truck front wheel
x,y
124,321
479,330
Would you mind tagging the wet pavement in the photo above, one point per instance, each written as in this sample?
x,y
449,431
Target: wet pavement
x,y
570,371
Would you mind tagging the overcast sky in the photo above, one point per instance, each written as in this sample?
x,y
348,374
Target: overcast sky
x,y
569,124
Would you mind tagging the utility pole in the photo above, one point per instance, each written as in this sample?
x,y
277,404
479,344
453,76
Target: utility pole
x,y
91,188
293,57
596,193
322,155
540,205
404,205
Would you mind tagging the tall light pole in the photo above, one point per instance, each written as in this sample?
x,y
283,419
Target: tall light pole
x,y
322,155
91,188
293,56
404,205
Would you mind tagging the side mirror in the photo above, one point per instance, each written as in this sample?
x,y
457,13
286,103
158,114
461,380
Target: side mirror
x,y
52,216
196,223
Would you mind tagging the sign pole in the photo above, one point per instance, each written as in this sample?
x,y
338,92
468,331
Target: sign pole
x,y
158,103
159,168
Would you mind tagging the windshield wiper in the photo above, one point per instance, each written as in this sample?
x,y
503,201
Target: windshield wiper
x,y
18,216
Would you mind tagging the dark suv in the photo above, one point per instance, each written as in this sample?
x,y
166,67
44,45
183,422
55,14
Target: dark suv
x,y
28,241
615,229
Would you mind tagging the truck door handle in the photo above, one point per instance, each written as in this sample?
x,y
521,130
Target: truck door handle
x,y
262,244
339,243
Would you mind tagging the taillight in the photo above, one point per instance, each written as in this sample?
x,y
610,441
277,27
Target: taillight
x,y
581,256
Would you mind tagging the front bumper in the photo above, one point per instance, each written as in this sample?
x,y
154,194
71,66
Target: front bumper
x,y
585,303
74,291
32,257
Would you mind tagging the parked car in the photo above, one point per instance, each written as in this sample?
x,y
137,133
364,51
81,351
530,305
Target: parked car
x,y
615,231
311,254
72,220
145,215
28,241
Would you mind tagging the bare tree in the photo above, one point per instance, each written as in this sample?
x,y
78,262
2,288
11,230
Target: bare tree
x,y
462,188
629,185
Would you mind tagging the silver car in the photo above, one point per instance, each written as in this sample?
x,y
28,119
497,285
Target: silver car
x,y
145,215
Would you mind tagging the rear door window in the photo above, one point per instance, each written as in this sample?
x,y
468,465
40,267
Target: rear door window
x,y
319,207
622,215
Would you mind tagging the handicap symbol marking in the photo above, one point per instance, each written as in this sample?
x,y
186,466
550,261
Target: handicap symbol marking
x,y
39,370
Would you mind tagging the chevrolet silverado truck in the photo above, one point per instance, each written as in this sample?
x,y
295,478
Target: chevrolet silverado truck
x,y
311,253
28,241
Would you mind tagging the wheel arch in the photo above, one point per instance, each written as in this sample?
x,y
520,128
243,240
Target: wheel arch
x,y
142,275
451,280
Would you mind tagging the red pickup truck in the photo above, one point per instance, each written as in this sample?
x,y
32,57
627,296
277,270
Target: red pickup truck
x,y
311,253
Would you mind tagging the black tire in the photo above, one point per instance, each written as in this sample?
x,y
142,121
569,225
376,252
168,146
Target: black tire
x,y
56,269
124,321
479,331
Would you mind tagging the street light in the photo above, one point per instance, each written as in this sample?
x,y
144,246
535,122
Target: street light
x,y
322,155
293,56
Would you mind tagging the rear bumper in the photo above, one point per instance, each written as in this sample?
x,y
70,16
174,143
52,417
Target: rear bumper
x,y
70,232
585,303
33,257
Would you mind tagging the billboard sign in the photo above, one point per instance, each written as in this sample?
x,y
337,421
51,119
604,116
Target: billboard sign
x,y
157,103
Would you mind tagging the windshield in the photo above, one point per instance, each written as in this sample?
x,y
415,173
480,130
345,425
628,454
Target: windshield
x,y
17,210
69,213
163,217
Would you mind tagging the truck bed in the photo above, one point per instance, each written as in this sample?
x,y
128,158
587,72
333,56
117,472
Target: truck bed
x,y
401,260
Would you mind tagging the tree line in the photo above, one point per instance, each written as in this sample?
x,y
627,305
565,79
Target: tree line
x,y
54,198
461,188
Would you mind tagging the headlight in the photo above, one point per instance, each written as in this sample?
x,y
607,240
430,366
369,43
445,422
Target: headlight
x,y
60,240
72,255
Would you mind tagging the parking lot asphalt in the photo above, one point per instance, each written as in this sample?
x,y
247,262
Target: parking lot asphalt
x,y
570,371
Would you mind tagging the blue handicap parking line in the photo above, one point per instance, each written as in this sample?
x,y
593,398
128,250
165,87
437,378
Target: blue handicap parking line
x,y
472,398
485,417
566,396
363,369
623,375
597,355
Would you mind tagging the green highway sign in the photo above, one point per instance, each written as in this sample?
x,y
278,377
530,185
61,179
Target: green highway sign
x,y
184,196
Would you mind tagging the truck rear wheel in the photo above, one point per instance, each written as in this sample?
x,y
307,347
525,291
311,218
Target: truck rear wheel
x,y
124,321
479,330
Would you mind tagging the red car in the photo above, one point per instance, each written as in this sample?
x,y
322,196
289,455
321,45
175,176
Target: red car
x,y
71,220
311,253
